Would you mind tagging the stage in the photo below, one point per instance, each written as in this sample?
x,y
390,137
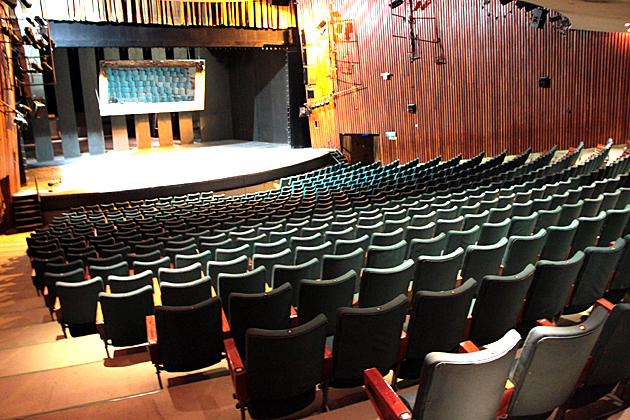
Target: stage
x,y
134,175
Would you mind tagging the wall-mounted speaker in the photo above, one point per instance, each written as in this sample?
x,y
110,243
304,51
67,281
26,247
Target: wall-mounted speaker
x,y
280,2
544,82
539,18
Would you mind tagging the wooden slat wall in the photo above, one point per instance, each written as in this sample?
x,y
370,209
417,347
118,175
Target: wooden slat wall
x,y
249,14
9,165
486,96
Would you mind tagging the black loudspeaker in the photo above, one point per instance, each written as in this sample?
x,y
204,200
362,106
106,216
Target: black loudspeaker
x,y
539,18
280,2
544,82
305,75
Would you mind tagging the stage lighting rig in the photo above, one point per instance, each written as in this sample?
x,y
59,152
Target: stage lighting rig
x,y
394,4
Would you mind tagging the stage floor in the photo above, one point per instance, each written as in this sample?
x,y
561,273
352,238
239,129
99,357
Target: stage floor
x,y
137,170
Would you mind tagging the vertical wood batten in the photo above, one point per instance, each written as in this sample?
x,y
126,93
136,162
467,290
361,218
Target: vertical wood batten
x,y
89,81
120,136
143,128
65,106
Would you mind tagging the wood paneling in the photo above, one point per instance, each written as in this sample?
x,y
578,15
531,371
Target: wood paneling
x,y
485,96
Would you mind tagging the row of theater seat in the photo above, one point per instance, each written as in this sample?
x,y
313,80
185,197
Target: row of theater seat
x,y
393,224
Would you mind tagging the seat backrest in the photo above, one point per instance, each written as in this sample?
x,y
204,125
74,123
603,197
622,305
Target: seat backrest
x,y
387,238
461,239
268,310
213,246
426,247
465,386
611,354
125,315
249,282
126,284
423,219
491,233
180,275
222,254
550,288
268,261
270,248
334,266
521,251
550,364
599,263
445,225
237,265
189,337
522,225
292,274
419,232
483,260
283,368
548,218
569,213
120,269
78,300
381,285
386,256
346,246
182,261
313,240
473,219
621,280
307,253
498,305
614,225
558,241
587,232
153,266
50,279
186,294
325,297
437,273
366,338
437,323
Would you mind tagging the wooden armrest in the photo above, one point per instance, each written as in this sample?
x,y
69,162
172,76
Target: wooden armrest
x,y
157,299
57,310
225,325
609,306
213,293
45,292
267,288
505,400
328,364
402,348
467,347
544,323
236,368
156,286
294,317
467,328
57,306
386,402
99,314
108,289
152,339
459,281
355,302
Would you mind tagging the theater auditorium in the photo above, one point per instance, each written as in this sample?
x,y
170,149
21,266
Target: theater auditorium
x,y
333,209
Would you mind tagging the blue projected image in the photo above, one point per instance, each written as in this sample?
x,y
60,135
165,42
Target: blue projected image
x,y
150,85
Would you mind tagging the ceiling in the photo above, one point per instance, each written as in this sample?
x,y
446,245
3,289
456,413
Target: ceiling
x,y
592,15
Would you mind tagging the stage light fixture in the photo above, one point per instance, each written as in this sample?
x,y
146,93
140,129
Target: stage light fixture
x,y
394,4
24,109
528,6
39,20
505,2
40,108
27,4
321,25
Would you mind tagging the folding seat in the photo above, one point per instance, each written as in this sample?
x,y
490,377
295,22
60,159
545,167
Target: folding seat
x,y
186,294
267,310
309,241
293,274
180,275
498,304
182,261
522,225
346,246
249,282
304,254
214,246
49,280
414,211
491,233
270,248
521,251
153,266
118,269
381,285
78,302
333,236
235,266
186,338
283,369
624,198
422,220
620,283
466,210
558,242
366,338
483,260
269,260
267,229
437,323
386,256
426,247
223,254
587,232
471,220
461,239
105,251
614,225
487,205
369,229
386,239
569,213
126,284
609,360
592,206
276,236
437,273
46,255
551,362
499,214
317,222
558,200
124,317
340,217
549,291
594,275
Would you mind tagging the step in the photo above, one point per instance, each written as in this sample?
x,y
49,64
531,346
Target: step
x,y
25,198
25,207
28,228
21,221
26,213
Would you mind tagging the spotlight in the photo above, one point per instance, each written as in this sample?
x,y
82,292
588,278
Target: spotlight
x,y
394,4
321,25
27,4
528,6
37,67
46,66
24,109
20,121
39,20
40,108
48,40
539,18
505,2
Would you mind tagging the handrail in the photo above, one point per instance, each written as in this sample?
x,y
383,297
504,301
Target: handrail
x,y
37,188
